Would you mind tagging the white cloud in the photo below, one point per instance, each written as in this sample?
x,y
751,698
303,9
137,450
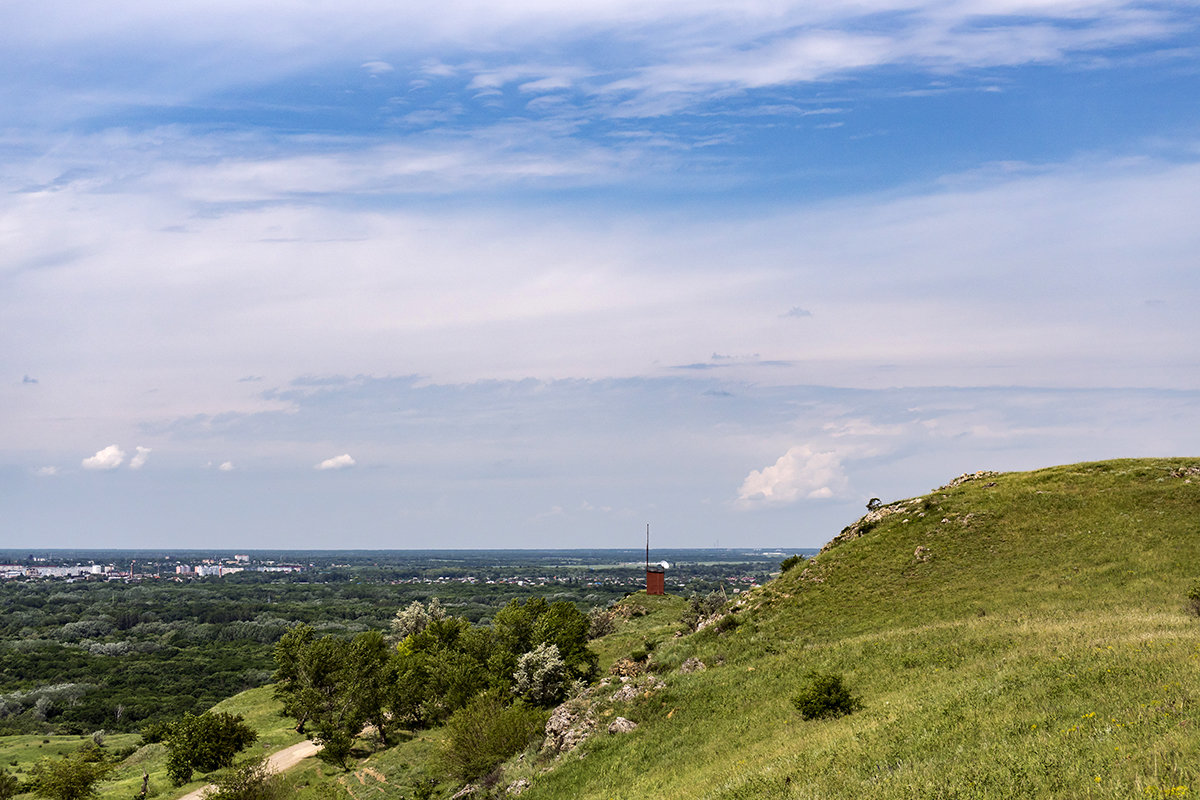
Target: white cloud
x,y
139,459
800,473
46,472
227,466
110,457
337,462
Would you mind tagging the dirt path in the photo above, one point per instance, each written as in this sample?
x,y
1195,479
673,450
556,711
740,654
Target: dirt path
x,y
278,761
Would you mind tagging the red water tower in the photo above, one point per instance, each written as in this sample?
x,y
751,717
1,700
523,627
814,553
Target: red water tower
x,y
656,580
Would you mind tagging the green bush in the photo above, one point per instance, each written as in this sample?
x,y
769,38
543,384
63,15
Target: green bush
x,y
823,695
1193,599
8,784
701,607
205,743
253,781
790,562
485,732
67,778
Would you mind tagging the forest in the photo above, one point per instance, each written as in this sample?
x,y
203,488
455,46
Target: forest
x,y
78,656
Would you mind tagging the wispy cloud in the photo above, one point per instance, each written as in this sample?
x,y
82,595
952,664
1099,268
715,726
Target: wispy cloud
x,y
140,457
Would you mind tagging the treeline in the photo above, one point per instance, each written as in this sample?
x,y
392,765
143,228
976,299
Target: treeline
x,y
429,666
141,653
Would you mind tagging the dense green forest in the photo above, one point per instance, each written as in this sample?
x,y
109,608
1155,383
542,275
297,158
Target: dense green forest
x,y
84,655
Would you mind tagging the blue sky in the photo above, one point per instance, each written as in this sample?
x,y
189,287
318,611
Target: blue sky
x,y
530,274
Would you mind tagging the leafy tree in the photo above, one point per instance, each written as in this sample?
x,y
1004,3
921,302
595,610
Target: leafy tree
x,y
290,677
205,743
67,778
415,618
371,673
541,677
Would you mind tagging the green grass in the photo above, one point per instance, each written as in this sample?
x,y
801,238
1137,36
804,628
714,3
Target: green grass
x,y
1042,650
659,623
258,707
1037,646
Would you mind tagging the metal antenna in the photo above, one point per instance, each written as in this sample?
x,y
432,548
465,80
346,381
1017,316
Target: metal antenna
x,y
647,546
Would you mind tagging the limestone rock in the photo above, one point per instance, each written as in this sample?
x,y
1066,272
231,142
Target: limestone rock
x,y
621,725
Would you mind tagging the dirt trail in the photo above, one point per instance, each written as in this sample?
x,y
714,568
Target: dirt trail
x,y
278,761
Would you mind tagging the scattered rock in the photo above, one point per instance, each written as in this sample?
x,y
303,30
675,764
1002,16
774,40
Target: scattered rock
x,y
693,664
922,553
638,688
569,725
467,791
516,787
970,476
866,525
1186,472
627,668
621,725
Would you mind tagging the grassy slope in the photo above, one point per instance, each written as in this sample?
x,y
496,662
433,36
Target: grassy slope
x,y
257,706
1042,651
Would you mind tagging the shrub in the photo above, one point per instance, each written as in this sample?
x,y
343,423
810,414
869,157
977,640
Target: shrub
x,y
701,607
790,561
253,781
825,695
1193,599
155,732
601,622
67,778
8,784
205,743
485,732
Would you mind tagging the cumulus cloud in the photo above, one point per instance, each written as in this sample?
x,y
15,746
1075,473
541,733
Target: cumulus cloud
x,y
110,457
800,473
46,472
227,466
797,311
139,459
337,462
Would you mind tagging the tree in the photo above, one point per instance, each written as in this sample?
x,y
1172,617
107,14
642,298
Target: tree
x,y
205,743
290,678
415,618
541,677
67,778
370,675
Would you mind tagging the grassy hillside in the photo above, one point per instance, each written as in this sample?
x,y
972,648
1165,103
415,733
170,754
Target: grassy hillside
x,y
1018,635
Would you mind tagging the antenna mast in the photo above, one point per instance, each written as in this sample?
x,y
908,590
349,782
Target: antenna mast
x,y
647,546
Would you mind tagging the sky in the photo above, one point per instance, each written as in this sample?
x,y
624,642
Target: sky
x,y
534,274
